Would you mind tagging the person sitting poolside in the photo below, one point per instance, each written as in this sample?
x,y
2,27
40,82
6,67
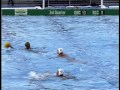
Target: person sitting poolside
x,y
11,1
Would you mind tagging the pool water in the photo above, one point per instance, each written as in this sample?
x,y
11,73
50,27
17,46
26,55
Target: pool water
x,y
90,43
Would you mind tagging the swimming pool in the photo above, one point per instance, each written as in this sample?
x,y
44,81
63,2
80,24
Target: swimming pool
x,y
91,42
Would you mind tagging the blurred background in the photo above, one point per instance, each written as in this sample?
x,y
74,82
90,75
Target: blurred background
x,y
32,3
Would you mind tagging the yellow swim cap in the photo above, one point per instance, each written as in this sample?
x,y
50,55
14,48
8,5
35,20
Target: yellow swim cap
x,y
7,45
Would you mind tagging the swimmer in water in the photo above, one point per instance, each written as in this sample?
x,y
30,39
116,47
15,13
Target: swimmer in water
x,y
27,45
60,52
34,50
7,45
63,55
60,73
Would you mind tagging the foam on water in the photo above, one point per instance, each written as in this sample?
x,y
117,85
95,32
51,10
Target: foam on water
x,y
37,76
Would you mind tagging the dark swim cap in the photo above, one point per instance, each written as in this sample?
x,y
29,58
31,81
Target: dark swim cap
x,y
27,45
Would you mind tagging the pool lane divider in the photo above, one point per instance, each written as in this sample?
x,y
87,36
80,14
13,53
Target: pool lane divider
x,y
63,12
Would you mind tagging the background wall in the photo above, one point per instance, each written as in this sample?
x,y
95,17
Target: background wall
x,y
20,3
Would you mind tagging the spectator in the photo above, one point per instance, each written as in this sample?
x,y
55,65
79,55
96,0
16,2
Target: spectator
x,y
11,1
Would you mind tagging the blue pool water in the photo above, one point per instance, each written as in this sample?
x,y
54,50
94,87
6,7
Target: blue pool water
x,y
90,42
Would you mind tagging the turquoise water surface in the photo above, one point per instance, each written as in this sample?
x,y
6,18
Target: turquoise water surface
x,y
90,43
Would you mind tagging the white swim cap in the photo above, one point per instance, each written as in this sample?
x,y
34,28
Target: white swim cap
x,y
60,51
60,72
